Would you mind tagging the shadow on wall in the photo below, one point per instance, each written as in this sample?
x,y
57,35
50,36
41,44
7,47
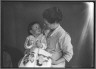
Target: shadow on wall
x,y
14,53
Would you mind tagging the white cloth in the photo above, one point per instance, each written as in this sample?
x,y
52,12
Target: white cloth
x,y
34,63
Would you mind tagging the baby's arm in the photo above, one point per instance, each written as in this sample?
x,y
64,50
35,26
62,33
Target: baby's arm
x,y
28,43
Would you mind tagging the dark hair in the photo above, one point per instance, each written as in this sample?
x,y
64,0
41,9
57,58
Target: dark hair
x,y
31,24
53,15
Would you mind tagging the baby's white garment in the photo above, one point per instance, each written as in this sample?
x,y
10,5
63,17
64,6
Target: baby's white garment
x,y
45,58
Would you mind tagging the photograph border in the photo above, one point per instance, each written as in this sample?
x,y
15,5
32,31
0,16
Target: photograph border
x,y
52,1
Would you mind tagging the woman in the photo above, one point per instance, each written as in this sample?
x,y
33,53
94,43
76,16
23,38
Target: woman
x,y
58,40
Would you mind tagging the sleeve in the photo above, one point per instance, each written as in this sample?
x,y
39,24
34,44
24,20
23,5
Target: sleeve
x,y
44,43
27,45
66,46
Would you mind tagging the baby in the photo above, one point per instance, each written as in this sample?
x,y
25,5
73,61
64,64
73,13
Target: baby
x,y
35,44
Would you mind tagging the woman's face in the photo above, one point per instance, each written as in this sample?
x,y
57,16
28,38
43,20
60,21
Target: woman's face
x,y
36,29
47,24
50,26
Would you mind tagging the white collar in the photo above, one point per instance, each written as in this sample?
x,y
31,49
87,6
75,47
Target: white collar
x,y
39,36
56,30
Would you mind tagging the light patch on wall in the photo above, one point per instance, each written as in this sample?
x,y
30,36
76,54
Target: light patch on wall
x,y
88,26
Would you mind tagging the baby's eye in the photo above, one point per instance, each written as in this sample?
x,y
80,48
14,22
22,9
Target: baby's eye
x,y
36,26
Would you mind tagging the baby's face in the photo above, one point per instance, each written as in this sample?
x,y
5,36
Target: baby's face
x,y
36,29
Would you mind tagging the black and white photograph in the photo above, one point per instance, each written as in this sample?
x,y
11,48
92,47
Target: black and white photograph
x,y
47,34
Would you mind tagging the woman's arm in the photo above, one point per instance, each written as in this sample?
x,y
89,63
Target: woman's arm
x,y
67,49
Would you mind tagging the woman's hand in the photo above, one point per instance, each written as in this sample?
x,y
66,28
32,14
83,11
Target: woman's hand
x,y
54,62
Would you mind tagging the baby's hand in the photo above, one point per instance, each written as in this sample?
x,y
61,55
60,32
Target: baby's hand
x,y
27,51
39,45
29,42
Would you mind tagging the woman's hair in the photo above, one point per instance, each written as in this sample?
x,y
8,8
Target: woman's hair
x,y
53,15
31,24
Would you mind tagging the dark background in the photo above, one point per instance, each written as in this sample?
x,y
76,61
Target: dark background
x,y
15,17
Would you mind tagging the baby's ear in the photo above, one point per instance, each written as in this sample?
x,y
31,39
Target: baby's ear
x,y
31,31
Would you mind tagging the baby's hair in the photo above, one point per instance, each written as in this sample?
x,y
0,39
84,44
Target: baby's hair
x,y
31,24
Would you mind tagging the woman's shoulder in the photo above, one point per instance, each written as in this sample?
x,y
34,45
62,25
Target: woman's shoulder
x,y
63,33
